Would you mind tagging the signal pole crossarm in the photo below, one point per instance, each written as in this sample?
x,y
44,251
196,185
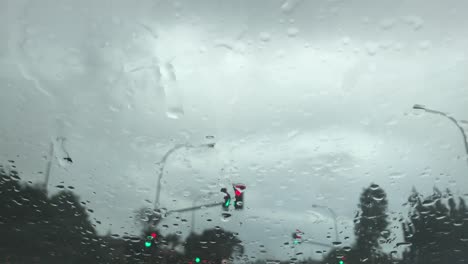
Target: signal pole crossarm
x,y
194,208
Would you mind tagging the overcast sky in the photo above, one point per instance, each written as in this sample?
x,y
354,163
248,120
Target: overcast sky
x,y
308,102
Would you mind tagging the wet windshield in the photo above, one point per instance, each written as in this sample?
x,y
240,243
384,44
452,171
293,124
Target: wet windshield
x,y
284,131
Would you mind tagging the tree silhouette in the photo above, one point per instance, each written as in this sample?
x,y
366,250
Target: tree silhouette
x,y
437,229
36,228
369,225
213,245
371,220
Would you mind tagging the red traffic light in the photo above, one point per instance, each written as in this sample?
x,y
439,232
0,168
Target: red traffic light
x,y
239,188
154,235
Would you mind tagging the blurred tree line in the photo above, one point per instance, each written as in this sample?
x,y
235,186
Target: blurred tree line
x,y
435,230
36,228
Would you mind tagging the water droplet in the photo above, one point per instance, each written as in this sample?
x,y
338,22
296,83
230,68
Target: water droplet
x,y
61,152
168,81
292,32
264,36
371,48
397,175
289,5
415,22
345,40
429,202
387,24
347,248
403,244
144,218
225,217
385,234
424,45
30,76
174,113
378,196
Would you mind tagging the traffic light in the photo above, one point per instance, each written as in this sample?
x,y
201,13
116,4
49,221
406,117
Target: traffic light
x,y
239,189
342,260
149,239
227,199
197,260
297,236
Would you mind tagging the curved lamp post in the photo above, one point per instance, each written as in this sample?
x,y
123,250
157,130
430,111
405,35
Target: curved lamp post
x,y
333,214
162,164
422,107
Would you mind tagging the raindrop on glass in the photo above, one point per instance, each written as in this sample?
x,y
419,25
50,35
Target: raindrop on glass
x,y
61,153
336,243
289,5
292,32
264,36
173,96
387,24
371,48
225,217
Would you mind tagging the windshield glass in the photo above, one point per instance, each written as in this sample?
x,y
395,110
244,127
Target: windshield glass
x,y
284,131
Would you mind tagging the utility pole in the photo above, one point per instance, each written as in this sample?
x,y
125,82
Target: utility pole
x,y
49,167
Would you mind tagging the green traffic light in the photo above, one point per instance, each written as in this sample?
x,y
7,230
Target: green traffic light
x,y
228,202
341,262
197,260
148,244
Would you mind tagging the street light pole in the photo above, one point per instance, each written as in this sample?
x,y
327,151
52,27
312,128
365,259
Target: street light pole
x,y
49,166
162,164
334,219
465,142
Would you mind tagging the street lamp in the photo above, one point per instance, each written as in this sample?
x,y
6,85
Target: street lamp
x,y
49,167
162,164
422,107
334,218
